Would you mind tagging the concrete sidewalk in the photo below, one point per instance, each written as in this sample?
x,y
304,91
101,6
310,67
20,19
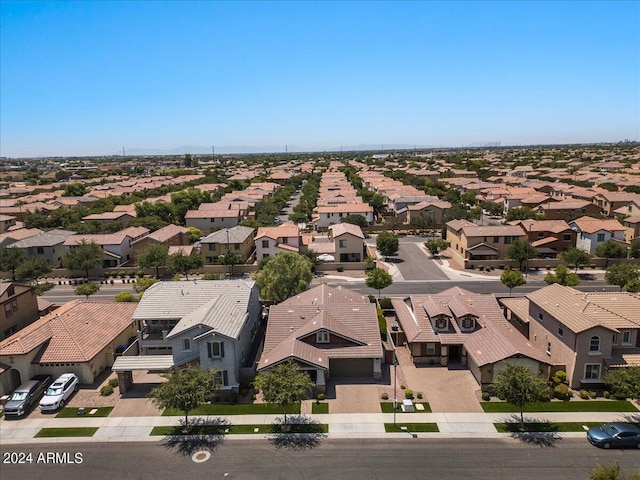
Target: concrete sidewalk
x,y
451,425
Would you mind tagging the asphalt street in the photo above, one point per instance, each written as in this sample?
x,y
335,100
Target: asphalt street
x,y
353,459
414,264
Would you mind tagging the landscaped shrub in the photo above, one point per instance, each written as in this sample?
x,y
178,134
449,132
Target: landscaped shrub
x,y
384,396
584,394
562,375
471,266
561,391
592,394
244,392
501,266
106,390
340,268
403,387
546,396
122,274
481,268
485,396
107,274
419,395
320,396
212,276
408,393
619,396
548,267
593,266
140,274
385,304
605,394
113,382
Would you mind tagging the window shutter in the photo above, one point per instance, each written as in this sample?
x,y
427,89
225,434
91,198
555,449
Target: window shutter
x,y
225,378
222,350
209,349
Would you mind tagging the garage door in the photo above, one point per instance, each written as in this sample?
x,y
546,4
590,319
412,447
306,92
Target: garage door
x,y
351,367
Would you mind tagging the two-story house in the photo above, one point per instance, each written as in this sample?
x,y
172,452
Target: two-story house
x,y
567,209
117,247
47,245
18,307
348,242
210,322
330,214
272,240
581,333
330,332
548,237
6,222
171,236
236,239
593,231
473,242
611,201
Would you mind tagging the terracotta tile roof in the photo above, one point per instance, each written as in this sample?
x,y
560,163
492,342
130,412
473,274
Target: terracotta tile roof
x,y
284,230
624,357
342,228
323,294
592,225
76,332
165,233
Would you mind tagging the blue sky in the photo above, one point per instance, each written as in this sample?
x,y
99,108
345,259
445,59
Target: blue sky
x,y
89,77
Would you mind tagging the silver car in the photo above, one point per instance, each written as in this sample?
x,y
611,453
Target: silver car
x,y
59,392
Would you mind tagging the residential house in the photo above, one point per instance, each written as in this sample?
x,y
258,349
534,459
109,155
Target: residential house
x,y
211,322
237,239
207,220
270,241
610,201
6,222
329,332
348,242
123,218
568,209
46,245
432,212
80,337
632,224
18,307
548,237
581,333
11,237
593,231
460,328
117,247
473,242
330,214
171,235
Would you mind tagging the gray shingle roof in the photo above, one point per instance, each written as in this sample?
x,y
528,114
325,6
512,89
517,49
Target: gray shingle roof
x,y
236,235
44,239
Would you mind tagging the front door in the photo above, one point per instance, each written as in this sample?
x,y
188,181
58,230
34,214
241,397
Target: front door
x,y
454,353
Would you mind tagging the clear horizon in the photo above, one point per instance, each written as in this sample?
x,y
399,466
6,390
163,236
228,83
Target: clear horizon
x,y
87,78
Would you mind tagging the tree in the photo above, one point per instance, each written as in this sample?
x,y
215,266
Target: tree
x,y
512,279
87,289
611,471
387,243
518,386
356,219
633,286
436,246
11,259
563,277
74,190
283,385
521,252
283,276
179,262
84,256
624,380
621,274
143,283
576,256
611,249
185,389
154,255
194,234
232,258
634,251
126,297
521,213
379,279
33,268
493,208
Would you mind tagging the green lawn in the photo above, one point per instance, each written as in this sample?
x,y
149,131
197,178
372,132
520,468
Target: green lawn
x,y
411,427
237,409
387,407
545,427
322,407
238,429
66,432
575,406
73,412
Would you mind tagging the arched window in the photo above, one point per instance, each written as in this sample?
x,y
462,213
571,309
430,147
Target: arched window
x,y
594,344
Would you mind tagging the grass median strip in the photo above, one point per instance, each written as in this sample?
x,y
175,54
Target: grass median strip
x,y
545,427
71,412
320,407
237,409
66,432
411,427
237,429
387,407
575,406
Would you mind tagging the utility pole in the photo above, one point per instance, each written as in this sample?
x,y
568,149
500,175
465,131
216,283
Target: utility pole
x,y
123,154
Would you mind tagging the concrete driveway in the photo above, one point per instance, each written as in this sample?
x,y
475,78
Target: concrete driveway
x,y
353,395
414,264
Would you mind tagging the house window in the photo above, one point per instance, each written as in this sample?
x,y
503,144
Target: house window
x,y
186,344
626,337
594,344
508,240
566,237
540,316
496,239
221,379
40,250
592,371
614,340
601,237
343,243
265,243
540,234
285,240
548,348
431,348
322,336
560,330
441,322
236,246
10,331
467,323
8,310
213,246
11,291
215,349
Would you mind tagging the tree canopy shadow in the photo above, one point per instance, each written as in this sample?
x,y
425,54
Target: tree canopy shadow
x,y
196,435
300,433
631,418
541,433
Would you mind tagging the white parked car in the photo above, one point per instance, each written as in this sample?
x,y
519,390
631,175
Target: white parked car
x,y
59,392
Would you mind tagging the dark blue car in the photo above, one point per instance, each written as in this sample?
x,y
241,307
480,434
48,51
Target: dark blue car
x,y
617,434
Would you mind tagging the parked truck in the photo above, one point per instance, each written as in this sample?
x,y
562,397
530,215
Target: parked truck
x,y
26,396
